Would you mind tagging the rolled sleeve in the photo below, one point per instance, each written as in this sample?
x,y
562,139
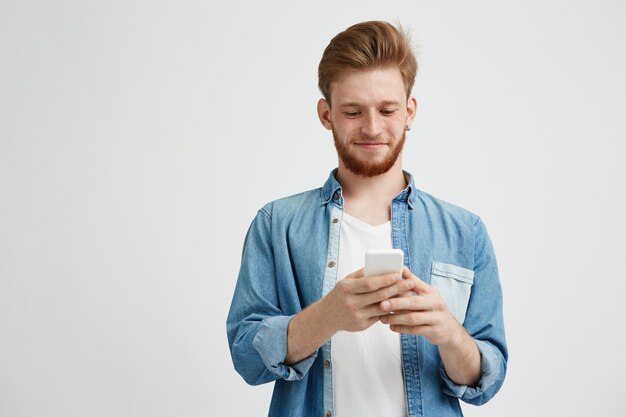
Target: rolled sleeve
x,y
271,344
492,373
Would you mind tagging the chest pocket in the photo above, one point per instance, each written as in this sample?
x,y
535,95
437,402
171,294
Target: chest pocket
x,y
455,285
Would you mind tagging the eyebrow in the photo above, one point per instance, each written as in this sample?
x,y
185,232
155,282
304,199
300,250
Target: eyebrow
x,y
384,103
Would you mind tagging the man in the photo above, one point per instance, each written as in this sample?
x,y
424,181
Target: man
x,y
304,315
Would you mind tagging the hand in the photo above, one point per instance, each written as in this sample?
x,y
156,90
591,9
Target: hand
x,y
353,305
422,313
355,302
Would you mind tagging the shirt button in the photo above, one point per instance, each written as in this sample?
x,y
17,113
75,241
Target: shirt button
x,y
335,220
336,197
331,264
326,364
328,414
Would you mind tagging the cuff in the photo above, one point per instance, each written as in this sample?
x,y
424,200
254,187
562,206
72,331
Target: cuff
x,y
270,342
490,371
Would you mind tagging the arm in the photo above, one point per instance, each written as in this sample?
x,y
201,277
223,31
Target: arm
x,y
485,323
257,323
461,358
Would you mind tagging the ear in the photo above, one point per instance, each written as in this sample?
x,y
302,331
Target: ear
x,y
323,112
411,109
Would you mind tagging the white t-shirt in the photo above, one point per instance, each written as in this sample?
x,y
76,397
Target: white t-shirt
x,y
366,365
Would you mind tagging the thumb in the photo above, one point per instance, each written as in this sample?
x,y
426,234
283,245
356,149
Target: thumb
x,y
420,286
359,273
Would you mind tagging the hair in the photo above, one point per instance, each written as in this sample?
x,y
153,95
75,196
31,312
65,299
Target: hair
x,y
367,45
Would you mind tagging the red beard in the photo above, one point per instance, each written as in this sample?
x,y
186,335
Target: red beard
x,y
364,167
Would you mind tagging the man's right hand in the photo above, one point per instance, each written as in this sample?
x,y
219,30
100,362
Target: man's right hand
x,y
353,305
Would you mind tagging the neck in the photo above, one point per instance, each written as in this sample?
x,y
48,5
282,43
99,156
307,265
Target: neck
x,y
379,189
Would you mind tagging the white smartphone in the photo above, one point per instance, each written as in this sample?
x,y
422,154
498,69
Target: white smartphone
x,y
382,261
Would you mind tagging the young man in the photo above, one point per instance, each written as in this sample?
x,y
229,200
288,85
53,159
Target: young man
x,y
303,314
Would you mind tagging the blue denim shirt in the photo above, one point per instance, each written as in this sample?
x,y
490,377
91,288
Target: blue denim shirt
x,y
289,262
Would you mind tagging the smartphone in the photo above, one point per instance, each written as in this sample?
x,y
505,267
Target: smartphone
x,y
382,261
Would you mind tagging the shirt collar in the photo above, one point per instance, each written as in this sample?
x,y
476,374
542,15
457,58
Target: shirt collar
x,y
332,190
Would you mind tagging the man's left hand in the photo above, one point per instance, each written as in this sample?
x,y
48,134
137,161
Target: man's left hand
x,y
422,312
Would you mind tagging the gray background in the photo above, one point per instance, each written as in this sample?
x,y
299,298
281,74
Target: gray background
x,y
138,139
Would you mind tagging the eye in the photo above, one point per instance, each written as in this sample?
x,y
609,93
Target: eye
x,y
351,113
388,112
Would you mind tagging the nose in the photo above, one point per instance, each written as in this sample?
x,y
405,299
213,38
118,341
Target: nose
x,y
372,125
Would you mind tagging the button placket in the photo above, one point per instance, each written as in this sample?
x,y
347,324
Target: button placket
x,y
330,278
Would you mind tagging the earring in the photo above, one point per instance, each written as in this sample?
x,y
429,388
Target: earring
x,y
407,128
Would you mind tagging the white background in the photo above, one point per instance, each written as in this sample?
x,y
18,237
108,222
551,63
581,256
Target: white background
x,y
138,139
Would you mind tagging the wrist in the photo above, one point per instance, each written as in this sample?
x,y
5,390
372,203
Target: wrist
x,y
307,331
456,338
327,323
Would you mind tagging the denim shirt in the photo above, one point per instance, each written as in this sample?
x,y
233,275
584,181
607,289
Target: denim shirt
x,y
289,262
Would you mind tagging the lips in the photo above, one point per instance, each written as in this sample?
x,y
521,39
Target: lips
x,y
372,146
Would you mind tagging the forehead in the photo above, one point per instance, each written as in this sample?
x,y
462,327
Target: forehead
x,y
368,87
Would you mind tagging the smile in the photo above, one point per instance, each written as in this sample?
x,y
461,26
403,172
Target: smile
x,y
370,146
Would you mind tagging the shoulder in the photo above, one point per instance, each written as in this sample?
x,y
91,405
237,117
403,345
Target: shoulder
x,y
293,205
437,209
455,231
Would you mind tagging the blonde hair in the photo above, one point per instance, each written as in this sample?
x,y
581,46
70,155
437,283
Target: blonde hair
x,y
367,45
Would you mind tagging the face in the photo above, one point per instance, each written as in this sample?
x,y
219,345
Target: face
x,y
368,118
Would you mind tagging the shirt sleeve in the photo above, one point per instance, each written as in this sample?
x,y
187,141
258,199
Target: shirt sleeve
x,y
484,322
490,372
271,344
256,325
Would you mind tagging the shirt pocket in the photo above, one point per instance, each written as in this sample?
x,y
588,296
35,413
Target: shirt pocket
x,y
455,285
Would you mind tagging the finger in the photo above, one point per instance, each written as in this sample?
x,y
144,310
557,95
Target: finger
x,y
414,330
399,287
412,303
374,283
420,286
373,312
409,319
359,273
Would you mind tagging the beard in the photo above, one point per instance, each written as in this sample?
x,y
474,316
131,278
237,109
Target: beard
x,y
368,167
